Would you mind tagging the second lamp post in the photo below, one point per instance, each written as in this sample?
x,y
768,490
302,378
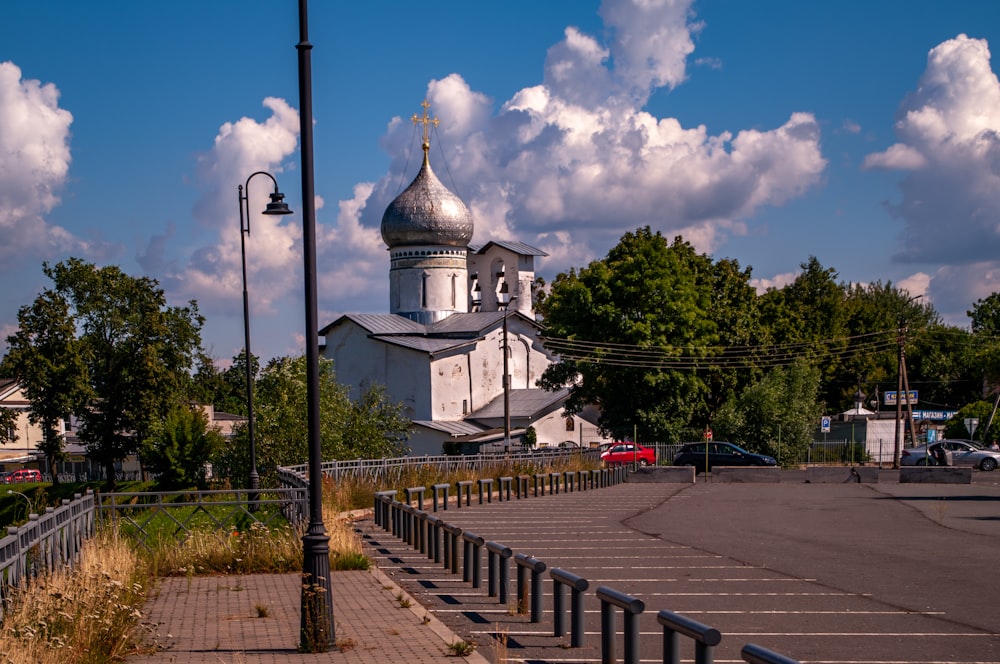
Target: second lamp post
x,y
277,206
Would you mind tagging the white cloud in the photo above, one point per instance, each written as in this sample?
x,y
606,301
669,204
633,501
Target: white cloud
x,y
577,155
898,156
778,281
916,284
949,143
212,272
34,163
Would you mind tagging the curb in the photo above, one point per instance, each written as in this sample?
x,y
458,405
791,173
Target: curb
x,y
435,625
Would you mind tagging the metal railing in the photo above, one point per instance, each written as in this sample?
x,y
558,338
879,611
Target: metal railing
x,y
413,525
48,542
150,516
390,469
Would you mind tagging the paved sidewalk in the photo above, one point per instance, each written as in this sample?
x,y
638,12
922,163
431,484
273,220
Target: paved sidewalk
x,y
214,619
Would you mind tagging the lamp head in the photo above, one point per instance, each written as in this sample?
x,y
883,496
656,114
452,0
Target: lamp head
x,y
277,204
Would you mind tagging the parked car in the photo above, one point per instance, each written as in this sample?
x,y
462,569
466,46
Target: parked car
x,y
22,476
719,454
962,452
627,452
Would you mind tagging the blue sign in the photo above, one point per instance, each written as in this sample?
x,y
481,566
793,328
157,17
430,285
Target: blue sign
x,y
824,424
890,398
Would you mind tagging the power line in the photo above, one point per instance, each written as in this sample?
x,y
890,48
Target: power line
x,y
714,358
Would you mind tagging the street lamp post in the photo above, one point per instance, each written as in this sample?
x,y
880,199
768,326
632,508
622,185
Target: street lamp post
x,y
277,206
317,626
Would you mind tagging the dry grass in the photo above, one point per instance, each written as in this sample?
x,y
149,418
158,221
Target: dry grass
x,y
256,550
90,614
358,493
82,616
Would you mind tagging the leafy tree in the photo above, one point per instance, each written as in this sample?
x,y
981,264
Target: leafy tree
x,y
375,427
644,294
781,407
136,352
49,362
8,426
530,438
808,318
985,323
955,428
985,315
226,389
736,315
876,315
370,428
180,447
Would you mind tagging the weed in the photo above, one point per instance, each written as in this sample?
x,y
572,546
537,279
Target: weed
x,y
263,611
403,600
346,643
500,637
460,649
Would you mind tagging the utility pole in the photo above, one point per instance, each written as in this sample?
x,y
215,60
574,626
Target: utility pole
x,y
506,380
901,384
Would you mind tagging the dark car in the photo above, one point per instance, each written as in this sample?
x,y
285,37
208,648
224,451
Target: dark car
x,y
719,454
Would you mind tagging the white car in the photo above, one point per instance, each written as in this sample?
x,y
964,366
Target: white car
x,y
962,452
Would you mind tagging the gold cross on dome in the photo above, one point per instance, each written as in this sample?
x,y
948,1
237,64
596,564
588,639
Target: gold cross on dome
x,y
425,120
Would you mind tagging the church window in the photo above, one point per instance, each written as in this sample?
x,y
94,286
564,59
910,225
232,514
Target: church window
x,y
454,289
570,424
423,290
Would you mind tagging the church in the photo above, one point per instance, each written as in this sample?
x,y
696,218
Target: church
x,y
460,346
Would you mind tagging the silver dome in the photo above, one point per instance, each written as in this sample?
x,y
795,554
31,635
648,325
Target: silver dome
x,y
427,213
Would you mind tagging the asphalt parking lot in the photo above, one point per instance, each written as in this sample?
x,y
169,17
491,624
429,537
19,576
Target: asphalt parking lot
x,y
838,573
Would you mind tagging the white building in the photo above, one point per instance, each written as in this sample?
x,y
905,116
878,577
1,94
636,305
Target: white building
x,y
439,350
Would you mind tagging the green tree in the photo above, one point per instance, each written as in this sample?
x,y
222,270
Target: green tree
x,y
955,427
138,353
808,318
225,389
876,315
8,426
49,362
370,428
648,296
375,427
180,448
782,407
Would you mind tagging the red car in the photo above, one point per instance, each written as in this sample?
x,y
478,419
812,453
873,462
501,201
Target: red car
x,y
23,475
626,452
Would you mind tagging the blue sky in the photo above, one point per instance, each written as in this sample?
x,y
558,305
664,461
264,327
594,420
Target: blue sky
x,y
862,133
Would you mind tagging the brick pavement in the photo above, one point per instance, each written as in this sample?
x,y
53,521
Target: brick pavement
x,y
215,619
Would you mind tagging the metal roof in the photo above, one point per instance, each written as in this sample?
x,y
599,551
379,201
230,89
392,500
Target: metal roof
x,y
453,332
523,403
425,344
451,427
517,247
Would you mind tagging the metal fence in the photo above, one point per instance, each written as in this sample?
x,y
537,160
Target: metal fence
x,y
47,542
152,516
391,469
55,539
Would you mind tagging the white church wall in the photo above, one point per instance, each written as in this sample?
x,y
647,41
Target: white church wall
x,y
426,442
451,386
356,359
360,362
